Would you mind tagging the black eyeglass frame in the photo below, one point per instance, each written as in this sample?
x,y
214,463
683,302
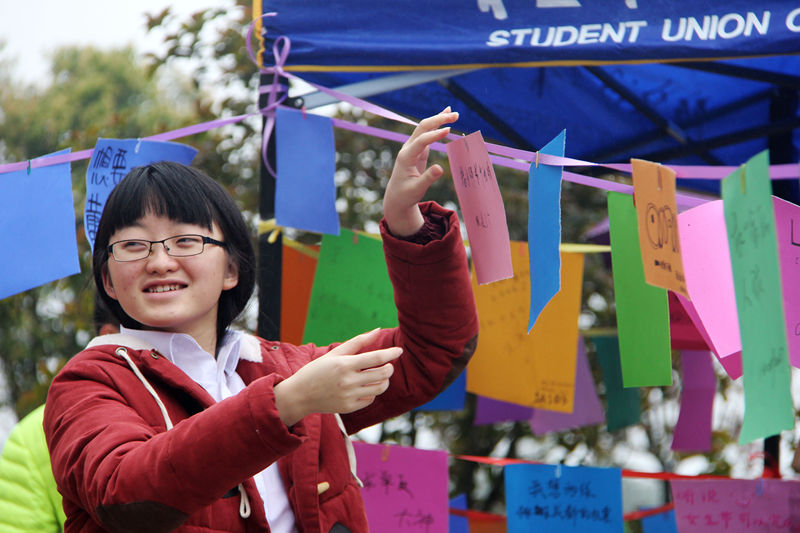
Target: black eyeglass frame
x,y
163,242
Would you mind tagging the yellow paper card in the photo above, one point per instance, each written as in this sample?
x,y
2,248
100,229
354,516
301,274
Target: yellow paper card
x,y
657,213
536,369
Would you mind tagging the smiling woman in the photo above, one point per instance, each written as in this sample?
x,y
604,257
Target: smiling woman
x,y
180,422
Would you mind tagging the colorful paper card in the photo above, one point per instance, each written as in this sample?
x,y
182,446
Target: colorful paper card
x,y
450,399
660,523
111,161
732,363
707,266
544,229
787,223
352,293
405,489
642,310
698,386
657,216
740,505
623,405
588,410
297,278
459,524
536,369
683,334
750,222
37,217
305,193
481,207
491,411
557,498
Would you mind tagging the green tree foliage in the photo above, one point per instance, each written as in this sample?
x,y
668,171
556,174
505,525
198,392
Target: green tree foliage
x,y
91,94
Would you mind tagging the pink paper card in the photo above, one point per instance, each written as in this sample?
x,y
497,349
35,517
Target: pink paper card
x,y
735,505
481,207
709,278
405,489
731,363
787,225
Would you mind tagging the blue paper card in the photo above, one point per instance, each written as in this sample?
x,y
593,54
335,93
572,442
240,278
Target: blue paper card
x,y
660,523
544,229
458,524
450,399
38,221
557,498
111,161
305,195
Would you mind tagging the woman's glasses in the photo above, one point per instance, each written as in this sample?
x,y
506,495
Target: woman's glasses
x,y
177,246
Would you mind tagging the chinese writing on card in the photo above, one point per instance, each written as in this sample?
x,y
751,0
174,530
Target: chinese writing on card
x,y
482,208
111,161
405,489
557,498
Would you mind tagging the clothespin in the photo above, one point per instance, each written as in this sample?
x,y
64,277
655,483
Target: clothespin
x,y
269,226
29,167
303,111
138,145
742,180
385,453
558,470
537,159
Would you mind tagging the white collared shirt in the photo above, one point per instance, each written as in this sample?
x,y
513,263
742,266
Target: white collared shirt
x,y
219,378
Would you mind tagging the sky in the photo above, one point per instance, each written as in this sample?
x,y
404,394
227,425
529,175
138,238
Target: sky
x,y
32,30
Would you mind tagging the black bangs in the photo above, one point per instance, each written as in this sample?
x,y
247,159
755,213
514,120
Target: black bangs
x,y
154,191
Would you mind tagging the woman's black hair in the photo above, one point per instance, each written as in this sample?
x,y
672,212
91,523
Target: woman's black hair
x,y
187,195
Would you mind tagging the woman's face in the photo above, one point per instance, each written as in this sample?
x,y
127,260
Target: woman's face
x,y
163,292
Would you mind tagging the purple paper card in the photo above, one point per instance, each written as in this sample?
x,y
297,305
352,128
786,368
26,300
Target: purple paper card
x,y
489,411
693,429
405,489
587,407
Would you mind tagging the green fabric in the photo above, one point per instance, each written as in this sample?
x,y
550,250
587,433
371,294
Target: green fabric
x,y
29,500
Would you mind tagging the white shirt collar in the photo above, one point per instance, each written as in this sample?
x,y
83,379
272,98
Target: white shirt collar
x,y
186,354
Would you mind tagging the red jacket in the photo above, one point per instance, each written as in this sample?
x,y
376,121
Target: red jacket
x,y
119,468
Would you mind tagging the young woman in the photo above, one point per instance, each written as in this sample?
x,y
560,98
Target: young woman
x,y
180,423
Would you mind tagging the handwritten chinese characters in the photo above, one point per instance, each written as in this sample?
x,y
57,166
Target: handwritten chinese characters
x,y
547,498
481,207
111,161
736,505
750,223
405,489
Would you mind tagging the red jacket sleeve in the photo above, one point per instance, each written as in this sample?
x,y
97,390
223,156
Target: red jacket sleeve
x,y
438,321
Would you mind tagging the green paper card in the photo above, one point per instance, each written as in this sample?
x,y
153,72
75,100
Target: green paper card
x,y
642,309
352,293
623,406
750,223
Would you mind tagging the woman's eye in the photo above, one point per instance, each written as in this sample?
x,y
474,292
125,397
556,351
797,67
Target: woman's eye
x,y
188,241
133,246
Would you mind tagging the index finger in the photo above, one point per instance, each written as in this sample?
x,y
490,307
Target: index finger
x,y
376,358
436,121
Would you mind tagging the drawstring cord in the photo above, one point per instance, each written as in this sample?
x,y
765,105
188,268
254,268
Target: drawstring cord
x,y
244,503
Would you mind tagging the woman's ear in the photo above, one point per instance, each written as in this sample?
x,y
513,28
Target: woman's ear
x,y
231,275
107,284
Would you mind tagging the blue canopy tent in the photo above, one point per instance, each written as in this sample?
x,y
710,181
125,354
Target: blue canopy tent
x,y
709,82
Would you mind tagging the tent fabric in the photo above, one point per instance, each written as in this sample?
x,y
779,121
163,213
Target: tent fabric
x,y
682,112
399,34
